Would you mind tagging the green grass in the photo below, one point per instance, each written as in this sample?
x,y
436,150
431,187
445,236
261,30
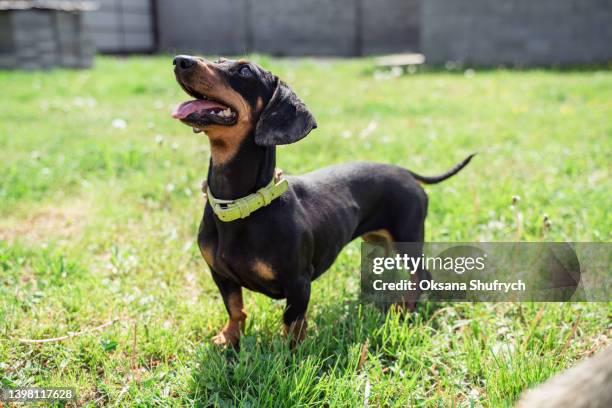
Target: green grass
x,y
99,223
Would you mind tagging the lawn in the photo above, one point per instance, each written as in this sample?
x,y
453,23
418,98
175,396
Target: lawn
x,y
100,205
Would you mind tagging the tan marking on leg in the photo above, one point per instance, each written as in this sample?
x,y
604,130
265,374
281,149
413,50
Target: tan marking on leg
x,y
236,308
263,270
296,332
383,237
207,254
380,237
230,334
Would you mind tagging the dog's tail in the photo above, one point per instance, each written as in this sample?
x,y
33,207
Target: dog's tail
x,y
444,176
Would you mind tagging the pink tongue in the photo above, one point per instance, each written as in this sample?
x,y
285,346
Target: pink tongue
x,y
187,108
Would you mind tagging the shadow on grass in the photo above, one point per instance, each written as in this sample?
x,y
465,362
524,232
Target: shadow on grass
x,y
326,366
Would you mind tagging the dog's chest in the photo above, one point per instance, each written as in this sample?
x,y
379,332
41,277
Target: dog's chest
x,y
232,260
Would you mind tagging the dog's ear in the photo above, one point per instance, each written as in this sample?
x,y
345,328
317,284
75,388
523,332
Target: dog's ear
x,y
284,120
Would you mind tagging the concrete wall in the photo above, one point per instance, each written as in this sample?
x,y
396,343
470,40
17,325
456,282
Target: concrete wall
x,y
204,26
122,26
34,39
481,32
288,27
517,32
304,27
390,26
7,44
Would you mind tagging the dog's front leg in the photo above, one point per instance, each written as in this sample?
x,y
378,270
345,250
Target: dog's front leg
x,y
232,298
298,296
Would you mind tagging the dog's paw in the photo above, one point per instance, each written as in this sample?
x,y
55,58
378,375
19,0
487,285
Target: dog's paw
x,y
296,332
228,336
222,339
404,307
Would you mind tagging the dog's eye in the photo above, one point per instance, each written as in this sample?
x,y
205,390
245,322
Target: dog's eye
x,y
245,71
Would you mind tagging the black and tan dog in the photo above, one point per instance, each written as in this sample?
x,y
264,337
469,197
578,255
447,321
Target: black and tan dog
x,y
276,236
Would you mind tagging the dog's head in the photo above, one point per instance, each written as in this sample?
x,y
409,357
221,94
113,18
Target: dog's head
x,y
237,99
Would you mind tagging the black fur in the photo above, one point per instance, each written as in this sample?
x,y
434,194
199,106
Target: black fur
x,y
284,120
300,234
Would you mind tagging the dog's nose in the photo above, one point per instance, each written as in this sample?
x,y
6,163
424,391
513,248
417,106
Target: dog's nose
x,y
184,61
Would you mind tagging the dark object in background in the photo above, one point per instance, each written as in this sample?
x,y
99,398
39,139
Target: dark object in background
x,y
44,34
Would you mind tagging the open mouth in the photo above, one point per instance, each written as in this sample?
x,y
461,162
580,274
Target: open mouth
x,y
203,111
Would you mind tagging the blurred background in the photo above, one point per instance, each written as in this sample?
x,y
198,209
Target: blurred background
x,y
46,33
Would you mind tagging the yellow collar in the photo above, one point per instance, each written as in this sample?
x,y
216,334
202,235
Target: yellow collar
x,y
231,210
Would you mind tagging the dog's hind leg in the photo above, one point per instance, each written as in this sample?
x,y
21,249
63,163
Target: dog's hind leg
x,y
381,237
411,232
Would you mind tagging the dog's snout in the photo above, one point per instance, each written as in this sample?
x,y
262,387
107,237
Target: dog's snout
x,y
184,61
